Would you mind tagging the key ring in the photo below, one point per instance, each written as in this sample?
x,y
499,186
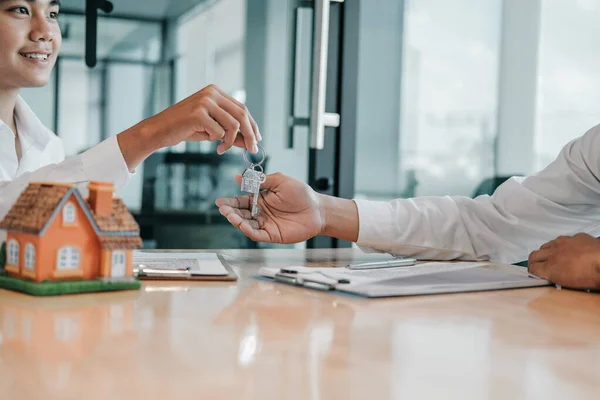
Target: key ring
x,y
264,155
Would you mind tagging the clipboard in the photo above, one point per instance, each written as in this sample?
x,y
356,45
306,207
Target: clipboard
x,y
155,273
421,279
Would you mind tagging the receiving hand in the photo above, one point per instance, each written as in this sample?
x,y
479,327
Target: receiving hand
x,y
290,211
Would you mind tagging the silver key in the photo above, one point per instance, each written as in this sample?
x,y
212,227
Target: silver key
x,y
255,210
251,181
252,178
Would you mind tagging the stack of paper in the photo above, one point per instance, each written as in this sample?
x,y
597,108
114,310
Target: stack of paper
x,y
424,278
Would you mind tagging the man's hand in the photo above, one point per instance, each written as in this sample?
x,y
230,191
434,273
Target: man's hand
x,y
572,262
209,114
290,211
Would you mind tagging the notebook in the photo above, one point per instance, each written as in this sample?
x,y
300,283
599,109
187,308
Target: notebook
x,y
421,279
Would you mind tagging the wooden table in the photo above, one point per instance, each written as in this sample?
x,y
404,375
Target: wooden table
x,y
259,340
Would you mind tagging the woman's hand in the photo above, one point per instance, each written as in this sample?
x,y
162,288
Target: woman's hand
x,y
209,114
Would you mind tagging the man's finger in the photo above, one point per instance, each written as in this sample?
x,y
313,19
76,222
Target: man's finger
x,y
242,202
248,228
548,245
258,235
539,269
539,255
226,210
270,183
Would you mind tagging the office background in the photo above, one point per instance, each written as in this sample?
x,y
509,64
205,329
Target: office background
x,y
435,97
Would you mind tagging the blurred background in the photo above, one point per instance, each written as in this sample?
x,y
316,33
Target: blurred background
x,y
422,97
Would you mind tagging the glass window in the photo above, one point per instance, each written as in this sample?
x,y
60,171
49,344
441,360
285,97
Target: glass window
x,y
30,256
449,96
210,49
569,86
69,213
121,90
129,40
432,125
68,258
13,252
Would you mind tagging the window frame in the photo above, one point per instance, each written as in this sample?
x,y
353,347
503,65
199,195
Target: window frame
x,y
30,254
10,252
69,214
71,252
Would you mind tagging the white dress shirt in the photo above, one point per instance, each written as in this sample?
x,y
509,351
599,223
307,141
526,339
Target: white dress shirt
x,y
523,213
43,159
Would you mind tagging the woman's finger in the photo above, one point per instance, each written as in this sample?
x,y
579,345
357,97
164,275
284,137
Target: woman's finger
x,y
241,115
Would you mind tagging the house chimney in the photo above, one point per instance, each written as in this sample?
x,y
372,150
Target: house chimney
x,y
101,198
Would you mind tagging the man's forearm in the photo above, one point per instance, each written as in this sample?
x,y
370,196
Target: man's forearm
x,y
341,218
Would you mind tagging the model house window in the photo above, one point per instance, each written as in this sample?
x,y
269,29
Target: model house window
x,y
69,213
29,256
13,252
68,258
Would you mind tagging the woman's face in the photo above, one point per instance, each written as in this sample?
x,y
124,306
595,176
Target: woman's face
x,y
29,42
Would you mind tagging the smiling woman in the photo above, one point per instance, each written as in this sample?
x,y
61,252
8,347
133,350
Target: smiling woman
x,y
30,40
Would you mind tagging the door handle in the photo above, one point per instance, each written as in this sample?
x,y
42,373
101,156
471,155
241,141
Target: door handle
x,y
320,119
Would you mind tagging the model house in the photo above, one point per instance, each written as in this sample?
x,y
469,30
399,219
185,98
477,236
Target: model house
x,y
53,233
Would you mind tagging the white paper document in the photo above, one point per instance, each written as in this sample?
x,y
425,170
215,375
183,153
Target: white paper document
x,y
424,278
195,263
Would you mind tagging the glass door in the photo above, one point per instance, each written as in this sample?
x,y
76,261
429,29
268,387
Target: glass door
x,y
315,110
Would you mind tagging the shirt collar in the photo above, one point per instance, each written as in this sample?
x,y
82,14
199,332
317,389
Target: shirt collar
x,y
29,124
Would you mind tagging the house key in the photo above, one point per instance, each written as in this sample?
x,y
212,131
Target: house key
x,y
252,178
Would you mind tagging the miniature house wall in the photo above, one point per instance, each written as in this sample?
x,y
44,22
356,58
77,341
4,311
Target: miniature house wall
x,y
55,234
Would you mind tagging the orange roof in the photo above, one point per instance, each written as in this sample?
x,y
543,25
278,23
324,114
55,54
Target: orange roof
x,y
120,242
34,207
120,220
39,204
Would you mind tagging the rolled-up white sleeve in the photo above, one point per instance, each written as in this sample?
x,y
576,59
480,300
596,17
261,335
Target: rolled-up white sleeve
x,y
523,213
103,162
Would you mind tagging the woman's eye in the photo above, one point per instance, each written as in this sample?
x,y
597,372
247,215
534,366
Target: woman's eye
x,y
54,15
